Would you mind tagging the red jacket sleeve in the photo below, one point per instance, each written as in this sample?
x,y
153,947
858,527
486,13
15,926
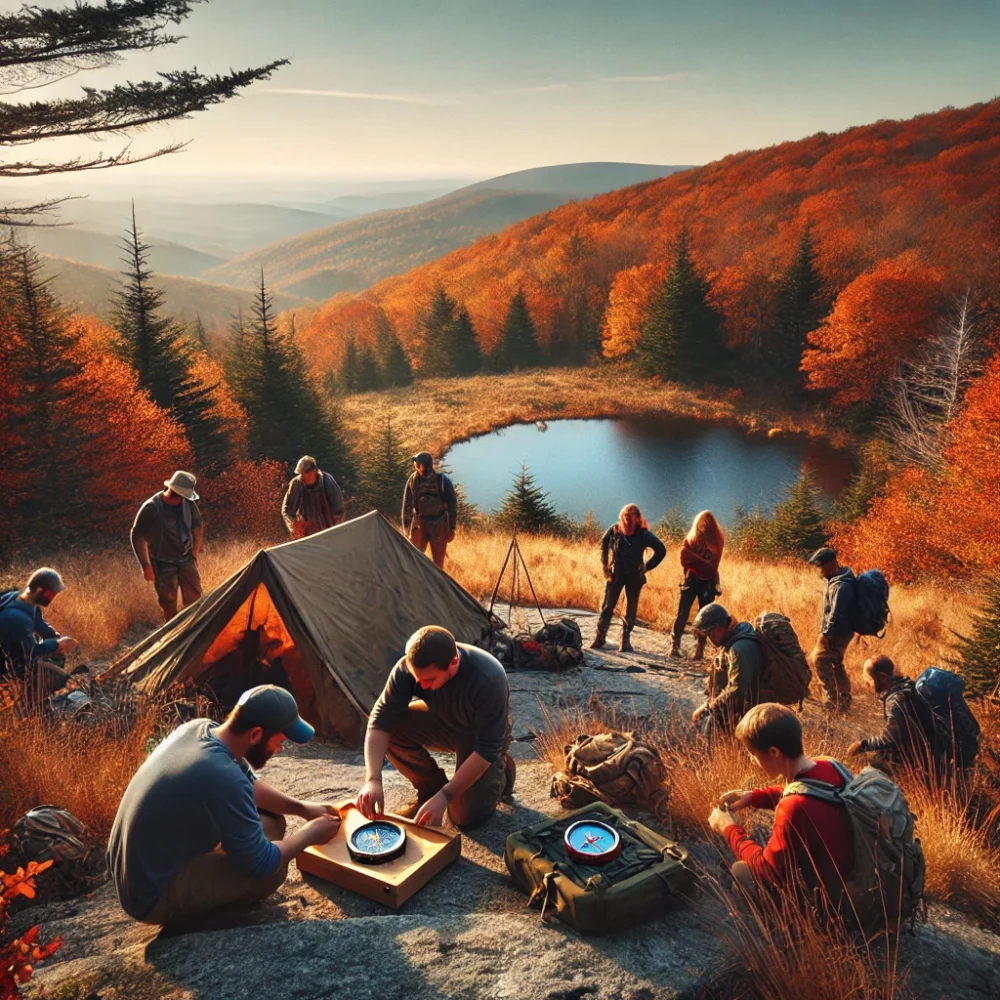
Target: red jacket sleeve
x,y
765,798
701,566
770,865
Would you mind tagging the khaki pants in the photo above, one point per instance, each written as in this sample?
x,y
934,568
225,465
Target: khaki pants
x,y
827,660
212,881
409,746
168,579
433,533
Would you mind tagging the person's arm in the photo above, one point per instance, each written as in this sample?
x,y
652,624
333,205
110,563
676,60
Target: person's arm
x,y
769,865
42,628
140,543
888,741
432,811
290,506
841,606
605,548
451,501
268,797
371,798
334,497
404,516
197,530
699,565
659,550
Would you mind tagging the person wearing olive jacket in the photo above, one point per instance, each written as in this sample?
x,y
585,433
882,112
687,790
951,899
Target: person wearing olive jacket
x,y
623,559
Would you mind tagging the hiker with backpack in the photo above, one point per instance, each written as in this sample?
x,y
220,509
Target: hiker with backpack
x,y
313,500
944,691
811,842
623,561
836,628
701,554
734,681
30,648
430,508
197,830
912,739
462,706
166,537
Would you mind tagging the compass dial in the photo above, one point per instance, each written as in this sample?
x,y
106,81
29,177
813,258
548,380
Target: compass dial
x,y
591,842
377,842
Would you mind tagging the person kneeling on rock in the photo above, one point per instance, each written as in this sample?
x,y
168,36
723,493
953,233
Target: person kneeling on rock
x,y
463,707
196,830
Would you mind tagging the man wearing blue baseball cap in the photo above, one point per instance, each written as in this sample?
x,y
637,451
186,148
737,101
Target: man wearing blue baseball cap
x,y
196,830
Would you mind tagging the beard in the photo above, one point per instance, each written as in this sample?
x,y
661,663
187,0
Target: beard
x,y
258,755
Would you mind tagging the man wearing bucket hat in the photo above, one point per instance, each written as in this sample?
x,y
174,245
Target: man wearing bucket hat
x,y
430,508
166,537
196,830
734,683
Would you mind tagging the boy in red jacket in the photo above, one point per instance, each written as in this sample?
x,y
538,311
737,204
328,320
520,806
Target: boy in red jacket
x,y
812,839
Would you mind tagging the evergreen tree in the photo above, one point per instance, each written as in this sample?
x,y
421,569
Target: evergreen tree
x,y
436,358
369,377
799,311
349,373
162,356
394,366
237,333
978,655
198,334
796,526
518,343
465,356
285,413
681,339
384,471
525,507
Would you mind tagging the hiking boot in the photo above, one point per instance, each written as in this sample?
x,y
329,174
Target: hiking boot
x,y
510,775
675,650
626,644
599,642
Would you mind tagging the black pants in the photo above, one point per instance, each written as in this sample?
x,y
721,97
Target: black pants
x,y
632,585
692,588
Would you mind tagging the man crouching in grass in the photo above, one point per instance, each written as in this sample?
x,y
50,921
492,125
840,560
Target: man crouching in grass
x,y
812,843
197,831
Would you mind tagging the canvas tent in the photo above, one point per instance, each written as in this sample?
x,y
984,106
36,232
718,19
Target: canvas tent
x,y
326,616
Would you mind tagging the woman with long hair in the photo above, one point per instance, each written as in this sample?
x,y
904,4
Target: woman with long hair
x,y
701,554
623,559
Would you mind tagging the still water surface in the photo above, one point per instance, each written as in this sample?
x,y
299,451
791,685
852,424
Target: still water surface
x,y
660,463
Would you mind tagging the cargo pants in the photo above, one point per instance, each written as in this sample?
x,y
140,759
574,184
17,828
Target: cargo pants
x,y
168,578
212,881
827,660
424,532
410,743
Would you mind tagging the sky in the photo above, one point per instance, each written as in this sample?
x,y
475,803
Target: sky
x,y
466,88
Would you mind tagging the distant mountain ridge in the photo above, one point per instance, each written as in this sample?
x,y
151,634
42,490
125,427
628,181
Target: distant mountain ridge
x,y
350,256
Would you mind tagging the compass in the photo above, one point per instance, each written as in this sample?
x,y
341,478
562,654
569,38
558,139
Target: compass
x,y
591,842
376,842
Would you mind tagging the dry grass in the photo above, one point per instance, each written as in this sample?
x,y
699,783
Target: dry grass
x,y
437,413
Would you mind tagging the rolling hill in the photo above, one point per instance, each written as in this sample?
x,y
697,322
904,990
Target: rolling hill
x,y
86,288
928,187
350,256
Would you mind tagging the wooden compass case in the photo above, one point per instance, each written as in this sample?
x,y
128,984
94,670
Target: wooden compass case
x,y
429,850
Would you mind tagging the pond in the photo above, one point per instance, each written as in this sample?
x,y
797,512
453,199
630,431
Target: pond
x,y
660,463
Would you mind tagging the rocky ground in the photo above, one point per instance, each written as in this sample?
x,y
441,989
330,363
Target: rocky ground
x,y
468,934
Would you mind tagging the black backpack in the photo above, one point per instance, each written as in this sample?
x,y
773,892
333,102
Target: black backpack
x,y
871,603
944,691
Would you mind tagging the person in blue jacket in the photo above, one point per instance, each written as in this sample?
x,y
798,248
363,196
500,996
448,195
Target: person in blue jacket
x,y
30,648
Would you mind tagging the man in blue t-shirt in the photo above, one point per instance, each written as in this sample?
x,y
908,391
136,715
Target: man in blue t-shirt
x,y
196,830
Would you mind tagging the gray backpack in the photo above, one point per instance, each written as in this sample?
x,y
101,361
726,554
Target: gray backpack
x,y
887,883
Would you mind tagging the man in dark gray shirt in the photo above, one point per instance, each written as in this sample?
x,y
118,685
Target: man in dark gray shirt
x,y
196,830
464,707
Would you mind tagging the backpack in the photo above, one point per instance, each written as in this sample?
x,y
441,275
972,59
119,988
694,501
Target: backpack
x,y
428,500
48,833
565,632
944,692
650,872
525,652
871,603
887,883
785,677
614,768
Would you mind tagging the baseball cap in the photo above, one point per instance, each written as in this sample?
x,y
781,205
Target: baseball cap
x,y
274,708
424,458
820,556
713,615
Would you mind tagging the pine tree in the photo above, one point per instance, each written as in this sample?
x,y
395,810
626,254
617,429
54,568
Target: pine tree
x,y
466,355
162,356
285,413
518,343
198,334
681,339
525,507
369,377
436,357
237,334
349,373
799,311
978,656
384,470
394,366
796,526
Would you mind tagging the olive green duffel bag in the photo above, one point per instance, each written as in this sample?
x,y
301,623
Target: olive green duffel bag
x,y
648,873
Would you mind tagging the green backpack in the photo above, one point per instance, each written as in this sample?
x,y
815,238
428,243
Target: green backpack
x,y
648,874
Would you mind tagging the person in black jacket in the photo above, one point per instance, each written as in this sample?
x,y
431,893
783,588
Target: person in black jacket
x,y
910,740
623,559
836,628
